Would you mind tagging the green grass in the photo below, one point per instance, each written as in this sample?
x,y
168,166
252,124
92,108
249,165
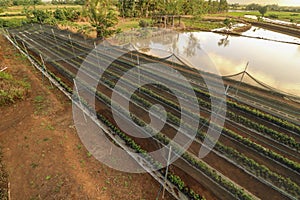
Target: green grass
x,y
40,106
12,21
11,89
13,17
285,16
203,25
128,24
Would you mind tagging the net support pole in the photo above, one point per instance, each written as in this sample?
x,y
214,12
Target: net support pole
x,y
139,72
24,46
227,89
54,36
71,45
166,175
237,89
80,103
45,69
26,51
15,41
43,64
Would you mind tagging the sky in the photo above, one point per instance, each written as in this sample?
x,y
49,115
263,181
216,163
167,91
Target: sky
x,y
279,2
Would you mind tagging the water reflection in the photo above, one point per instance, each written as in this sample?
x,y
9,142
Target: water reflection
x,y
193,45
224,41
274,63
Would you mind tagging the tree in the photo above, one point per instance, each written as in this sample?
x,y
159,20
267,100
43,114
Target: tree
x,y
102,16
223,6
252,6
127,8
263,10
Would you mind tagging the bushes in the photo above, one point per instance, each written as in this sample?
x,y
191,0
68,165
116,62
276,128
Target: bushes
x,y
40,16
69,14
144,23
273,16
12,23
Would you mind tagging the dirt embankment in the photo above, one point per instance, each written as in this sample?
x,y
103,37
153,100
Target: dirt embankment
x,y
42,154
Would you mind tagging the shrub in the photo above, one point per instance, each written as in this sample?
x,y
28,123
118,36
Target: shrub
x,y
144,23
273,16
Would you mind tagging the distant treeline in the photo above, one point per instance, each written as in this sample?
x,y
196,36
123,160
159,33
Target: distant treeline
x,y
144,8
7,3
272,7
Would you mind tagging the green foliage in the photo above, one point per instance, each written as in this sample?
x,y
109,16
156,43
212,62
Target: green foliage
x,y
143,23
263,10
70,14
273,16
40,16
253,6
11,89
144,8
26,2
12,23
227,22
102,16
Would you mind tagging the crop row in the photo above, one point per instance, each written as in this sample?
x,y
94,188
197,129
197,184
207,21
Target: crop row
x,y
263,171
245,108
281,137
176,180
229,185
289,163
232,114
257,113
208,171
249,164
274,155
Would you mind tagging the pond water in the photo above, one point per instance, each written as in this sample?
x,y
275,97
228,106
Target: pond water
x,y
276,64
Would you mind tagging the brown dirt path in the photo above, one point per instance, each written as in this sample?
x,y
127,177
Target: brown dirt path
x,y
42,153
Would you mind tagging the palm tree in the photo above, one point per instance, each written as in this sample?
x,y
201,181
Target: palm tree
x,y
102,16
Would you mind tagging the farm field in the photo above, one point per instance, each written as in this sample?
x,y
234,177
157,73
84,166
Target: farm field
x,y
257,155
280,15
41,153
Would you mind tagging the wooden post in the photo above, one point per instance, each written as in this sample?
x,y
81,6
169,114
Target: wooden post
x,y
179,21
173,21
